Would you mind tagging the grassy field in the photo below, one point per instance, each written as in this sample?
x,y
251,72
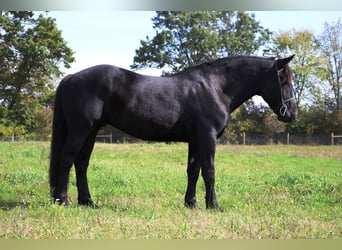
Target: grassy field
x,y
266,192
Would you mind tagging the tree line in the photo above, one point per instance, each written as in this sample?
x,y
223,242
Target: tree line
x,y
32,51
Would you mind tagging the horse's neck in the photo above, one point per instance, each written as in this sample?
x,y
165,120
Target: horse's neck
x,y
240,91
237,101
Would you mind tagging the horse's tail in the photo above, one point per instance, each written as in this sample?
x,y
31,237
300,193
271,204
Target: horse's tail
x,y
59,133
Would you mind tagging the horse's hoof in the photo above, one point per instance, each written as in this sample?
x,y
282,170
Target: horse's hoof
x,y
60,202
88,203
213,205
215,208
191,205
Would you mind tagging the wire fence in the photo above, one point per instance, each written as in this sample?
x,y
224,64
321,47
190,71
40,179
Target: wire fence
x,y
336,138
283,138
241,139
247,139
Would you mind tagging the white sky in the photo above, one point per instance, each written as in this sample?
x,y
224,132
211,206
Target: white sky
x,y
100,37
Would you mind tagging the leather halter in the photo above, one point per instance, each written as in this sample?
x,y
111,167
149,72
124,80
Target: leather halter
x,y
283,108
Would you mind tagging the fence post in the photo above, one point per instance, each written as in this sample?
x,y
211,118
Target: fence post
x,y
13,137
244,138
332,138
288,138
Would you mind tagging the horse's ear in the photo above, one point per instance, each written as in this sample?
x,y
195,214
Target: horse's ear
x,y
283,61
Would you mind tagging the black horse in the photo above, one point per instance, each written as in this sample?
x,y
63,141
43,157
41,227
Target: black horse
x,y
192,106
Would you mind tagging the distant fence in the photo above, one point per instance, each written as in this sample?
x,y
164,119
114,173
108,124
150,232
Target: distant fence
x,y
247,139
105,138
13,138
284,138
333,139
243,139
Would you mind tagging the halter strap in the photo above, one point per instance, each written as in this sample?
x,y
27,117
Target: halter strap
x,y
283,108
281,70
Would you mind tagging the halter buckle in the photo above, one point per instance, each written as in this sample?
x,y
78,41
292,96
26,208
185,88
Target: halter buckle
x,y
283,110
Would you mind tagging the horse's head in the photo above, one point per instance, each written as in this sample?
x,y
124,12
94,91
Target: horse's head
x,y
279,93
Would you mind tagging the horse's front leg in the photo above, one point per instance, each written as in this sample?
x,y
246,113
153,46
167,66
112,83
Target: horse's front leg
x,y
208,173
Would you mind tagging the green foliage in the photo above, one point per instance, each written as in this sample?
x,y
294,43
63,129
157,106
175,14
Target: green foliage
x,y
307,65
317,59
10,130
248,118
42,130
267,192
31,52
184,39
315,120
317,65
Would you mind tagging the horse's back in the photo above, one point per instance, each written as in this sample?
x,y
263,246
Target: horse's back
x,y
145,106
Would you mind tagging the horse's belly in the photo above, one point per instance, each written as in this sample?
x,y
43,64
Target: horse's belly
x,y
146,115
150,128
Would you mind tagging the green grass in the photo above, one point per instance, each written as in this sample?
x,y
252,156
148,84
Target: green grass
x,y
266,192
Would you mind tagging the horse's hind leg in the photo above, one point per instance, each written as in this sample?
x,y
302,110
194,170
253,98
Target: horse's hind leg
x,y
81,166
71,148
193,173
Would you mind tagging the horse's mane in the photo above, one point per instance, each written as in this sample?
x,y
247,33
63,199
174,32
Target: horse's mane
x,y
219,61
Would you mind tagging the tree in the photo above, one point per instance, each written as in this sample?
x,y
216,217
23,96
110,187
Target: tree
x,y
184,39
31,52
331,47
272,124
43,119
307,65
248,118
